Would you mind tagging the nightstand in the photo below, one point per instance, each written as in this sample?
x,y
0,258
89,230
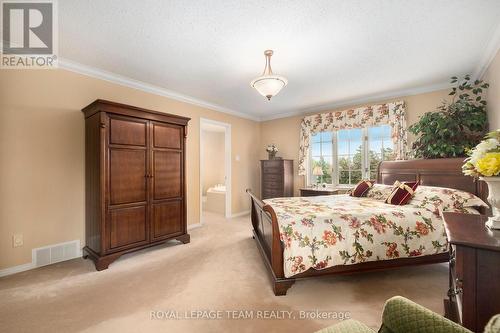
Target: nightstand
x,y
474,293
312,192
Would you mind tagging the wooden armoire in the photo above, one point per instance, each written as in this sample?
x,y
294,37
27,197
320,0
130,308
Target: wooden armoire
x,y
135,188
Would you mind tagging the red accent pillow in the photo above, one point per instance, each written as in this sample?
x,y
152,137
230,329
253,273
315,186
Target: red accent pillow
x,y
361,188
402,193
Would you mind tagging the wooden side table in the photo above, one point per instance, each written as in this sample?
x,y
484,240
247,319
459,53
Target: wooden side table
x,y
474,293
312,192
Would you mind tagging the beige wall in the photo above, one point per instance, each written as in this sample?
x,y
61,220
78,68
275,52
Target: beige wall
x,y
42,150
212,157
284,132
492,76
42,155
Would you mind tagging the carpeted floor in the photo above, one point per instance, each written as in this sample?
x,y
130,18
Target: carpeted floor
x,y
220,269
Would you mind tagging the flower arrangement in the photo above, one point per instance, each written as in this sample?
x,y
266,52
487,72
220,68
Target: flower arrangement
x,y
484,159
272,150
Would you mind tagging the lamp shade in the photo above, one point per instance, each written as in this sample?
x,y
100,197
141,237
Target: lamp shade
x,y
317,171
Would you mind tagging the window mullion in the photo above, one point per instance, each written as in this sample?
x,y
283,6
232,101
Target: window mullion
x,y
335,164
365,157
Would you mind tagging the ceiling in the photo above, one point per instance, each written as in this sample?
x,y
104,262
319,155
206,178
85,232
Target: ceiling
x,y
333,52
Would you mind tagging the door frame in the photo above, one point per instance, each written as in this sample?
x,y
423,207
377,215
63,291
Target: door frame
x,y
227,163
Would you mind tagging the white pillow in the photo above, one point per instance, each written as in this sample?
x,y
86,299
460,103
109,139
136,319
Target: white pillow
x,y
442,199
379,192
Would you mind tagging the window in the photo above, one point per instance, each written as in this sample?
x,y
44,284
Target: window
x,y
349,155
322,155
380,148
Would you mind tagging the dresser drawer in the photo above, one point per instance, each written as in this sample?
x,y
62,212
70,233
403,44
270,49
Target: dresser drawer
x,y
271,193
278,185
272,177
272,169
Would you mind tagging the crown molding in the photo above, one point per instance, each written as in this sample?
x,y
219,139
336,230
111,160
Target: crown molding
x,y
366,99
97,73
489,53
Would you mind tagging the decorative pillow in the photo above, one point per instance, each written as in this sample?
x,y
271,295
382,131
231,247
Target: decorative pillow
x,y
437,199
380,191
402,193
361,188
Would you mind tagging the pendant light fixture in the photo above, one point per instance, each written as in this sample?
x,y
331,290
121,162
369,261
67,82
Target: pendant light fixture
x,y
269,84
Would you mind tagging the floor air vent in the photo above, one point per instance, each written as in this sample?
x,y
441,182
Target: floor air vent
x,y
56,253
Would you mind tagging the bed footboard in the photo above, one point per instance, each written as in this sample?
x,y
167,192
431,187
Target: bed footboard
x,y
267,235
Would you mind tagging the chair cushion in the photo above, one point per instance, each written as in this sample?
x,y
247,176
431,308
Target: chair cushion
x,y
493,325
404,316
347,326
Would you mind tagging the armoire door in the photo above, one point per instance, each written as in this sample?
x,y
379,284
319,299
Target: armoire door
x,y
167,181
127,192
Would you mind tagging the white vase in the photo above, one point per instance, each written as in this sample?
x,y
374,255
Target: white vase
x,y
494,199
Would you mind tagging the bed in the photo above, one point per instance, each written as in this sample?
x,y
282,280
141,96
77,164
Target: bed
x,y
285,262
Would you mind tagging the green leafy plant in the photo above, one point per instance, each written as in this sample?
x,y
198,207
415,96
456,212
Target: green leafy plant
x,y
456,126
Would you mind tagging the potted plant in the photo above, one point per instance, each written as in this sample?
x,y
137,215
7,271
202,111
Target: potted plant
x,y
456,126
484,163
272,150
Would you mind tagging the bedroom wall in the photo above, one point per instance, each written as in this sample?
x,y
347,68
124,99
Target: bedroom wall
x,y
212,155
284,132
492,76
42,151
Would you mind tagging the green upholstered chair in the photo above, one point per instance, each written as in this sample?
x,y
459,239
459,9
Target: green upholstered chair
x,y
404,316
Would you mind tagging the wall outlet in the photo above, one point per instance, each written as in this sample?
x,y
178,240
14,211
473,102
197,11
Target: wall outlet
x,y
17,240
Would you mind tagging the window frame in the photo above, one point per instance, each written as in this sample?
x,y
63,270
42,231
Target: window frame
x,y
335,175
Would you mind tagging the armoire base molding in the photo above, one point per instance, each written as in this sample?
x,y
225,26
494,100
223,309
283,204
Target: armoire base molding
x,y
103,262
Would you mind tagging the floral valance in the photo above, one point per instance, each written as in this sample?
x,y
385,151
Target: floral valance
x,y
393,114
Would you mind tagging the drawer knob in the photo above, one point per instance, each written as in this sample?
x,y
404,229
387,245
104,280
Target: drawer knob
x,y
454,291
453,259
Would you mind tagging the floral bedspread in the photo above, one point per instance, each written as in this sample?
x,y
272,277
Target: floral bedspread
x,y
325,231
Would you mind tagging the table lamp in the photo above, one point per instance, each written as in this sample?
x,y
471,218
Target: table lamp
x,y
318,171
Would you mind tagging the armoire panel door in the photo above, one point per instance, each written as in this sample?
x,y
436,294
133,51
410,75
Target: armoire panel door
x,y
167,136
127,227
167,174
127,176
166,219
127,131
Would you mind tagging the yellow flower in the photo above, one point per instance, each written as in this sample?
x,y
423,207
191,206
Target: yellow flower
x,y
489,165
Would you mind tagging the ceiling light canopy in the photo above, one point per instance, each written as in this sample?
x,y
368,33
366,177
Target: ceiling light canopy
x,y
269,84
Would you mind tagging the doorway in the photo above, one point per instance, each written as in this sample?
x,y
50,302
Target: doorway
x,y
215,168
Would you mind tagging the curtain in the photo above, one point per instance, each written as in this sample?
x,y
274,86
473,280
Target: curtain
x,y
393,114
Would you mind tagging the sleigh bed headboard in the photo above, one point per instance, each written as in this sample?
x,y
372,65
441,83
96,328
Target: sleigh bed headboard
x,y
444,172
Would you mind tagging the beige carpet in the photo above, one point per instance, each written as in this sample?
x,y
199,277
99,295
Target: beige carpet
x,y
220,269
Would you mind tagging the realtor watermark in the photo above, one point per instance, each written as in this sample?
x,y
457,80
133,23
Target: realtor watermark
x,y
248,315
29,34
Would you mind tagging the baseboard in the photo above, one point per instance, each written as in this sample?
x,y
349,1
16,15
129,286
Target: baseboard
x,y
246,212
16,269
52,257
194,226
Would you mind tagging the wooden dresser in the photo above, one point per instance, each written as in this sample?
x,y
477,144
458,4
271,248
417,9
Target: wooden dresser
x,y
135,189
313,192
277,178
474,293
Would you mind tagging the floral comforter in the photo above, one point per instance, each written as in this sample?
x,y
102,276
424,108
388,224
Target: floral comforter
x,y
325,231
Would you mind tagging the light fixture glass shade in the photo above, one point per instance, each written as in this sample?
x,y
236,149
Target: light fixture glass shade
x,y
269,84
